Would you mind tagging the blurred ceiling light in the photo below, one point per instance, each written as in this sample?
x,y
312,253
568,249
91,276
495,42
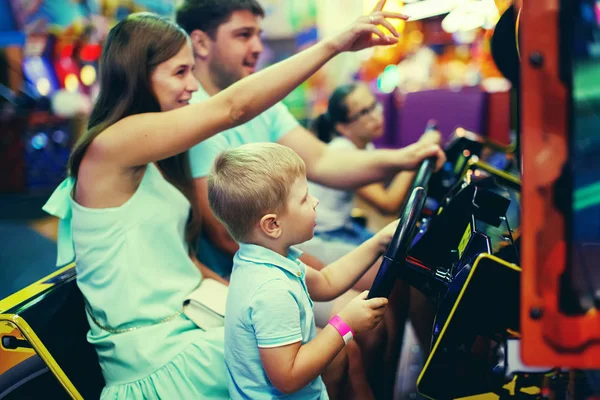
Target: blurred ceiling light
x,y
428,8
417,10
463,19
471,14
464,37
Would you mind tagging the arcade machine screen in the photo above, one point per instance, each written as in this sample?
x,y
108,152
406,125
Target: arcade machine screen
x,y
581,286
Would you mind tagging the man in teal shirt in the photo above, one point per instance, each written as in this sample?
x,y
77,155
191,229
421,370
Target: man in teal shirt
x,y
226,40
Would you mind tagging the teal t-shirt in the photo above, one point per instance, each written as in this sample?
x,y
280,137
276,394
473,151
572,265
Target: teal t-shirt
x,y
269,127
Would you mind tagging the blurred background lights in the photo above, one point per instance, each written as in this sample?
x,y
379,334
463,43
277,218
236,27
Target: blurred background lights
x,y
88,75
39,141
43,86
71,83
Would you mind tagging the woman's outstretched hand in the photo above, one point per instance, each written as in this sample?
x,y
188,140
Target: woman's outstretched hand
x,y
365,33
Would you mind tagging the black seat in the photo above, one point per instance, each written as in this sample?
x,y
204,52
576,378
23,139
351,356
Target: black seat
x,y
54,324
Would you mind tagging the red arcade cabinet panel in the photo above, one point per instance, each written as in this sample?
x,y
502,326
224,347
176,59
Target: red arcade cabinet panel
x,y
559,320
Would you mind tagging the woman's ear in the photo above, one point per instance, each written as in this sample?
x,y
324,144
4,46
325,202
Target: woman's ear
x,y
201,43
270,227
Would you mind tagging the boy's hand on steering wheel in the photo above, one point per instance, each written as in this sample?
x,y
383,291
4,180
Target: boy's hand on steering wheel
x,y
362,314
385,235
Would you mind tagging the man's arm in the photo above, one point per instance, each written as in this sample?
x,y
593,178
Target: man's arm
x,y
389,200
350,169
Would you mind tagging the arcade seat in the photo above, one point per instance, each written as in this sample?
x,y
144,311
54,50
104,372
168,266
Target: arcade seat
x,y
49,318
450,109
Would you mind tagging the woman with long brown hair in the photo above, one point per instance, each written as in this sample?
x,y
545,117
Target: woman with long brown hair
x,y
125,205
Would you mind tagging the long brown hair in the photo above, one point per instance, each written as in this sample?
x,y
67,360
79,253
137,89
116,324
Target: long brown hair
x,y
133,49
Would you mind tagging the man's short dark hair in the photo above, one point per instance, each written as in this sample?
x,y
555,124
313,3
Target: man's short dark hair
x,y
208,15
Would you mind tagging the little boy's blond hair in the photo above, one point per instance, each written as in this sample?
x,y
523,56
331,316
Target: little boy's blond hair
x,y
251,181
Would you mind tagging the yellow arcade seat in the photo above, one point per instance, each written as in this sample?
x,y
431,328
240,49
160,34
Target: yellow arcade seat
x,y
43,348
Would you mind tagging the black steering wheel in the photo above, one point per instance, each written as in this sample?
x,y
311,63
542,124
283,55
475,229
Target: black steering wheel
x,y
395,255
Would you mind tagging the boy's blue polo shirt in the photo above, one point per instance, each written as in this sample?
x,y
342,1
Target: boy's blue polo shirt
x,y
268,305
269,126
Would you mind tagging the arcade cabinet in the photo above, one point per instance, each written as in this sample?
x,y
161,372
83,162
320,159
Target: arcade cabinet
x,y
561,215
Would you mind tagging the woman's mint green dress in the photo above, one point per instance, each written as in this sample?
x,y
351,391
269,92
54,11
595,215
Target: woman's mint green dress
x,y
134,270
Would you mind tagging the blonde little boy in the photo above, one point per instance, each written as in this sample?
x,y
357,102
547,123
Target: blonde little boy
x,y
260,193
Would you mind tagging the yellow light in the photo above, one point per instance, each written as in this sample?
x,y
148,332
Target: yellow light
x,y
88,75
43,86
391,6
415,37
71,83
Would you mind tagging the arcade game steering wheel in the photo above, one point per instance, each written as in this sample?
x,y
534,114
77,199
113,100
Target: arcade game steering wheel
x,y
392,265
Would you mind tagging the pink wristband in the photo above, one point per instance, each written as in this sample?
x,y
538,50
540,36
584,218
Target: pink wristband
x,y
342,327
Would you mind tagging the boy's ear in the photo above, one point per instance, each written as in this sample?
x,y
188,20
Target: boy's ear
x,y
200,43
270,226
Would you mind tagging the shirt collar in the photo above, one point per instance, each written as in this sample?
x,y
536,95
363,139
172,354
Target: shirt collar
x,y
260,254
